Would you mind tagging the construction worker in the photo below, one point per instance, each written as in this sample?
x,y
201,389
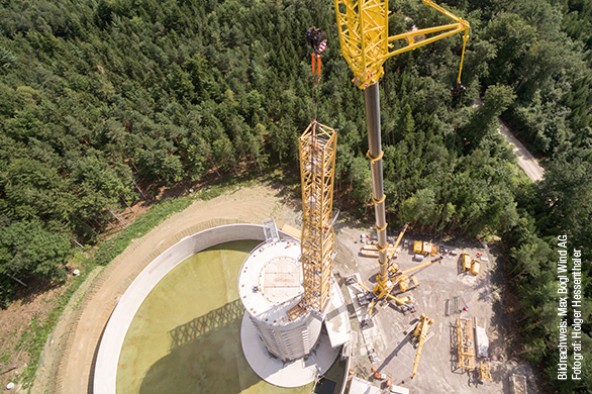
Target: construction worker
x,y
317,40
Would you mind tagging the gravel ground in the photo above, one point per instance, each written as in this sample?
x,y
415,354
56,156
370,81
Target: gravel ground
x,y
440,283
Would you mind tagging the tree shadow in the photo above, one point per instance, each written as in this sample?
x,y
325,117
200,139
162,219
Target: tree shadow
x,y
501,299
35,287
205,357
158,192
483,287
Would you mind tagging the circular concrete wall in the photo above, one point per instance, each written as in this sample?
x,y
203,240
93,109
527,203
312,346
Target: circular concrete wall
x,y
123,314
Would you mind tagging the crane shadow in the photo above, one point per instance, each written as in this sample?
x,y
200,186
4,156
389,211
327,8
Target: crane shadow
x,y
205,356
203,325
387,360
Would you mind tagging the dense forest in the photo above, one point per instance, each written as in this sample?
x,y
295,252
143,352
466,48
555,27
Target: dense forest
x,y
103,102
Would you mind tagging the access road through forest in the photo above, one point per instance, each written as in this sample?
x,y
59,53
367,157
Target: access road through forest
x,y
526,160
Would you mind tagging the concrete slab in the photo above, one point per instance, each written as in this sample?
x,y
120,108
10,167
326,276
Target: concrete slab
x,y
337,318
274,371
359,386
270,282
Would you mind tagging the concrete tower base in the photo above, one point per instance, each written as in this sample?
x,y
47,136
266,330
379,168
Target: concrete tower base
x,y
292,374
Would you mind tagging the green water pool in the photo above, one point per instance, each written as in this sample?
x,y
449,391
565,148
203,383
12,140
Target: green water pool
x,y
185,337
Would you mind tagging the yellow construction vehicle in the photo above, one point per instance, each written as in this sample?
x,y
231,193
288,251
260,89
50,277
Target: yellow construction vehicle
x,y
404,304
475,267
417,247
420,335
400,279
407,283
425,248
465,262
404,283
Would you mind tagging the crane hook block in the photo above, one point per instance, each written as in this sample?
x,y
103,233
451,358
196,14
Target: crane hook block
x,y
316,39
458,90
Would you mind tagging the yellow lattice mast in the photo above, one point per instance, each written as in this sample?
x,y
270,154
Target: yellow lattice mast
x,y
318,145
366,45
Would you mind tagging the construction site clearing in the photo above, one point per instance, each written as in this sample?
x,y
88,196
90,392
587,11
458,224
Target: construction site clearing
x,y
441,335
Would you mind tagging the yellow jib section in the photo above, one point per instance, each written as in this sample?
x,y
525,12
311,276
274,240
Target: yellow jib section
x,y
364,38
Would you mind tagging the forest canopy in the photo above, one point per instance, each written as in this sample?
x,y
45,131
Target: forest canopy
x,y
104,102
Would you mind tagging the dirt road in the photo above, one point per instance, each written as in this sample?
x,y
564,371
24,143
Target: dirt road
x,y
69,354
526,161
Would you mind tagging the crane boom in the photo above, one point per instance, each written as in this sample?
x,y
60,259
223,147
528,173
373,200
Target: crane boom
x,y
365,44
391,255
372,99
420,266
420,333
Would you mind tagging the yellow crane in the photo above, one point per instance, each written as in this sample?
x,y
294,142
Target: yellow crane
x,y
405,283
420,334
365,44
399,301
382,290
403,279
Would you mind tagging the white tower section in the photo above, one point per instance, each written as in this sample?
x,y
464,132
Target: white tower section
x,y
270,284
287,287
